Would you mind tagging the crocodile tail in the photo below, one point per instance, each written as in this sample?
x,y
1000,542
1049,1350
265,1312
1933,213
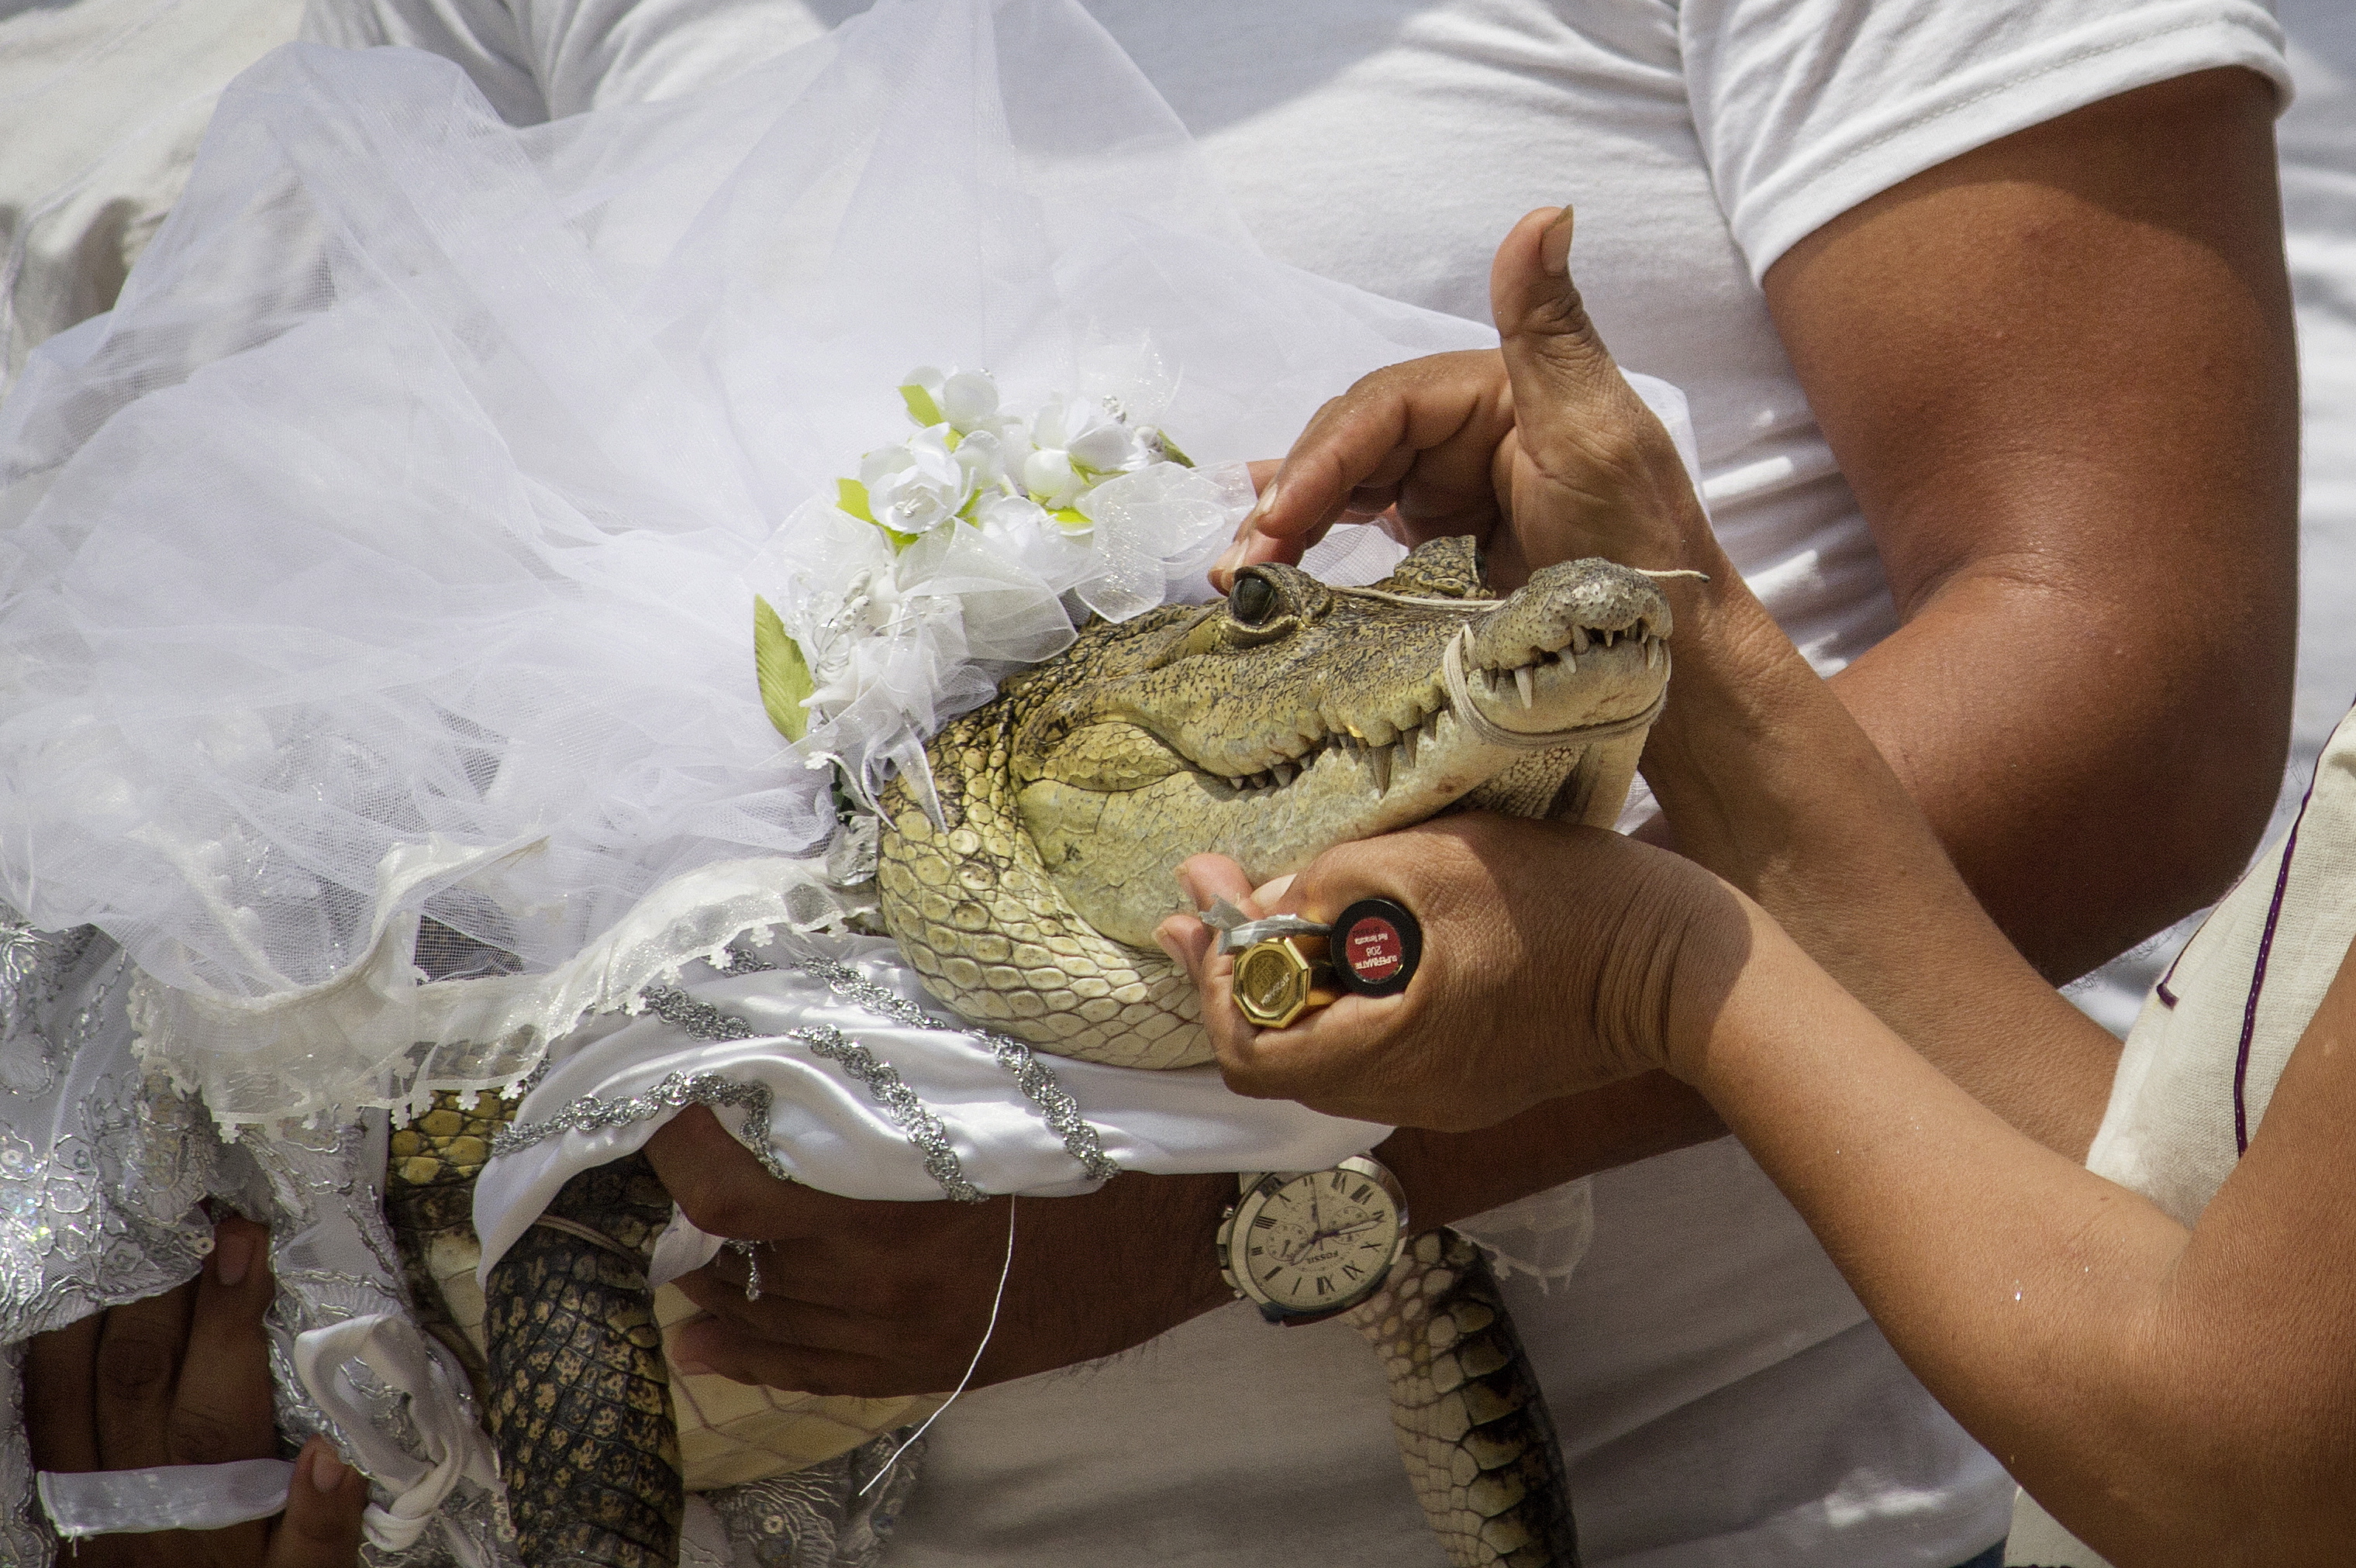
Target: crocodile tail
x,y
1472,1420
579,1407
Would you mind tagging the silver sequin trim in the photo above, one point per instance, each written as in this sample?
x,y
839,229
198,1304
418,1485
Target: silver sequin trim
x,y
1060,1111
702,1021
676,1093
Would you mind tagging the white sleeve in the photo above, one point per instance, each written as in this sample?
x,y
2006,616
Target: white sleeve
x,y
1806,107
482,35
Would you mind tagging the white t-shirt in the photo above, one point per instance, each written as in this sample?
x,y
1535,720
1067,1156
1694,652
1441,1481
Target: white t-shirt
x,y
1721,1399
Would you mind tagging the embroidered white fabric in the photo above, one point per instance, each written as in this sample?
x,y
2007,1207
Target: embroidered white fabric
x,y
605,1094
389,549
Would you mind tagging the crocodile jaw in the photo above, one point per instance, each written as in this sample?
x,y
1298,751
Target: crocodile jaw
x,y
1349,790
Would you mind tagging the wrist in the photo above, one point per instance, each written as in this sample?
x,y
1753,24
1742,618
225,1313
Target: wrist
x,y
1710,978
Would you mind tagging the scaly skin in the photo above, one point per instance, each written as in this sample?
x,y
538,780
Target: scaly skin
x,y
1067,803
579,1407
1471,1422
429,1201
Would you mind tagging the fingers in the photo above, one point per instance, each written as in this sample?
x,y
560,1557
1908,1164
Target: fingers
x,y
61,1396
221,1408
139,1351
1552,353
1418,437
1594,471
723,1189
321,1527
784,1343
1207,878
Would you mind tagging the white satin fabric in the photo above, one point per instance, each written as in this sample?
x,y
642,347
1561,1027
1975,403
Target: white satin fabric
x,y
401,1363
164,1497
827,1129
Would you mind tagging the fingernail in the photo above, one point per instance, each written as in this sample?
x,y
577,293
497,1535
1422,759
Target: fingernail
x,y
691,1366
1266,499
232,1258
326,1470
1232,558
1268,894
1169,944
1554,246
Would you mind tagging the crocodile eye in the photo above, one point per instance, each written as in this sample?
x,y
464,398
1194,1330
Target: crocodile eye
x,y
1253,600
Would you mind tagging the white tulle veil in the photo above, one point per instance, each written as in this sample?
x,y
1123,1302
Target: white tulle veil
x,y
390,550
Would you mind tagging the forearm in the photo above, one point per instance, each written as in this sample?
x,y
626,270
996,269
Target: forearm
x,y
1771,785
2022,1291
2088,1340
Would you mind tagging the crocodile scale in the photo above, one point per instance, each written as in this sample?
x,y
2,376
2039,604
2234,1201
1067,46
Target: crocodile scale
x,y
1472,1425
580,1408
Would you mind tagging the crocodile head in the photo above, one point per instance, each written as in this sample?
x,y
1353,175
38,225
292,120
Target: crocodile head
x,y
1288,717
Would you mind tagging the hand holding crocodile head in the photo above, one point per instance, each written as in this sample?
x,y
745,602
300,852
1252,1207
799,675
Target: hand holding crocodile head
x,y
1292,716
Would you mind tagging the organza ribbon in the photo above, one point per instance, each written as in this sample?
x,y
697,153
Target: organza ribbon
x,y
397,1356
164,1497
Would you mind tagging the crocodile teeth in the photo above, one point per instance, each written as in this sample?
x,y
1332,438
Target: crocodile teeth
x,y
1406,744
1579,641
1523,684
1652,652
1283,772
1378,758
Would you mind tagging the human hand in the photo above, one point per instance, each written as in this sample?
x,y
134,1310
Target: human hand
x,y
1556,959
881,1299
184,1379
1539,449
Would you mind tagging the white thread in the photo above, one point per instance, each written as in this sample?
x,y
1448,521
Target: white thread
x,y
1004,1273
1417,599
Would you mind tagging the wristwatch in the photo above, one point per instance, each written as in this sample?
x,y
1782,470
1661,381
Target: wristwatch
x,y
1307,1244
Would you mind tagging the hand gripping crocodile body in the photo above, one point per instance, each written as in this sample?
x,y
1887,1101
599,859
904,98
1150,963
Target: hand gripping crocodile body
x,y
1291,717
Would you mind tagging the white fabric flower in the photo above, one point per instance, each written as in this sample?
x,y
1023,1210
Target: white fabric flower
x,y
1077,444
916,487
965,400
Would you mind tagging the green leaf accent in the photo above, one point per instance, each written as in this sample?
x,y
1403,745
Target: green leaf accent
x,y
783,674
1169,450
1072,520
921,407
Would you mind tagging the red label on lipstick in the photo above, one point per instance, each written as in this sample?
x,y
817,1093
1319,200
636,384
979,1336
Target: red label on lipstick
x,y
1376,946
1375,950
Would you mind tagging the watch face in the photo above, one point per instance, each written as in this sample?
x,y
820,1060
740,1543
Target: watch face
x,y
1320,1239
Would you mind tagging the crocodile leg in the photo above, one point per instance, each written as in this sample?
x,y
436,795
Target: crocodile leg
x,y
580,1410
1472,1422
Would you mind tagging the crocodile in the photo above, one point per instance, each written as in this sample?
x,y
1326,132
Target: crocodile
x,y
1023,880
